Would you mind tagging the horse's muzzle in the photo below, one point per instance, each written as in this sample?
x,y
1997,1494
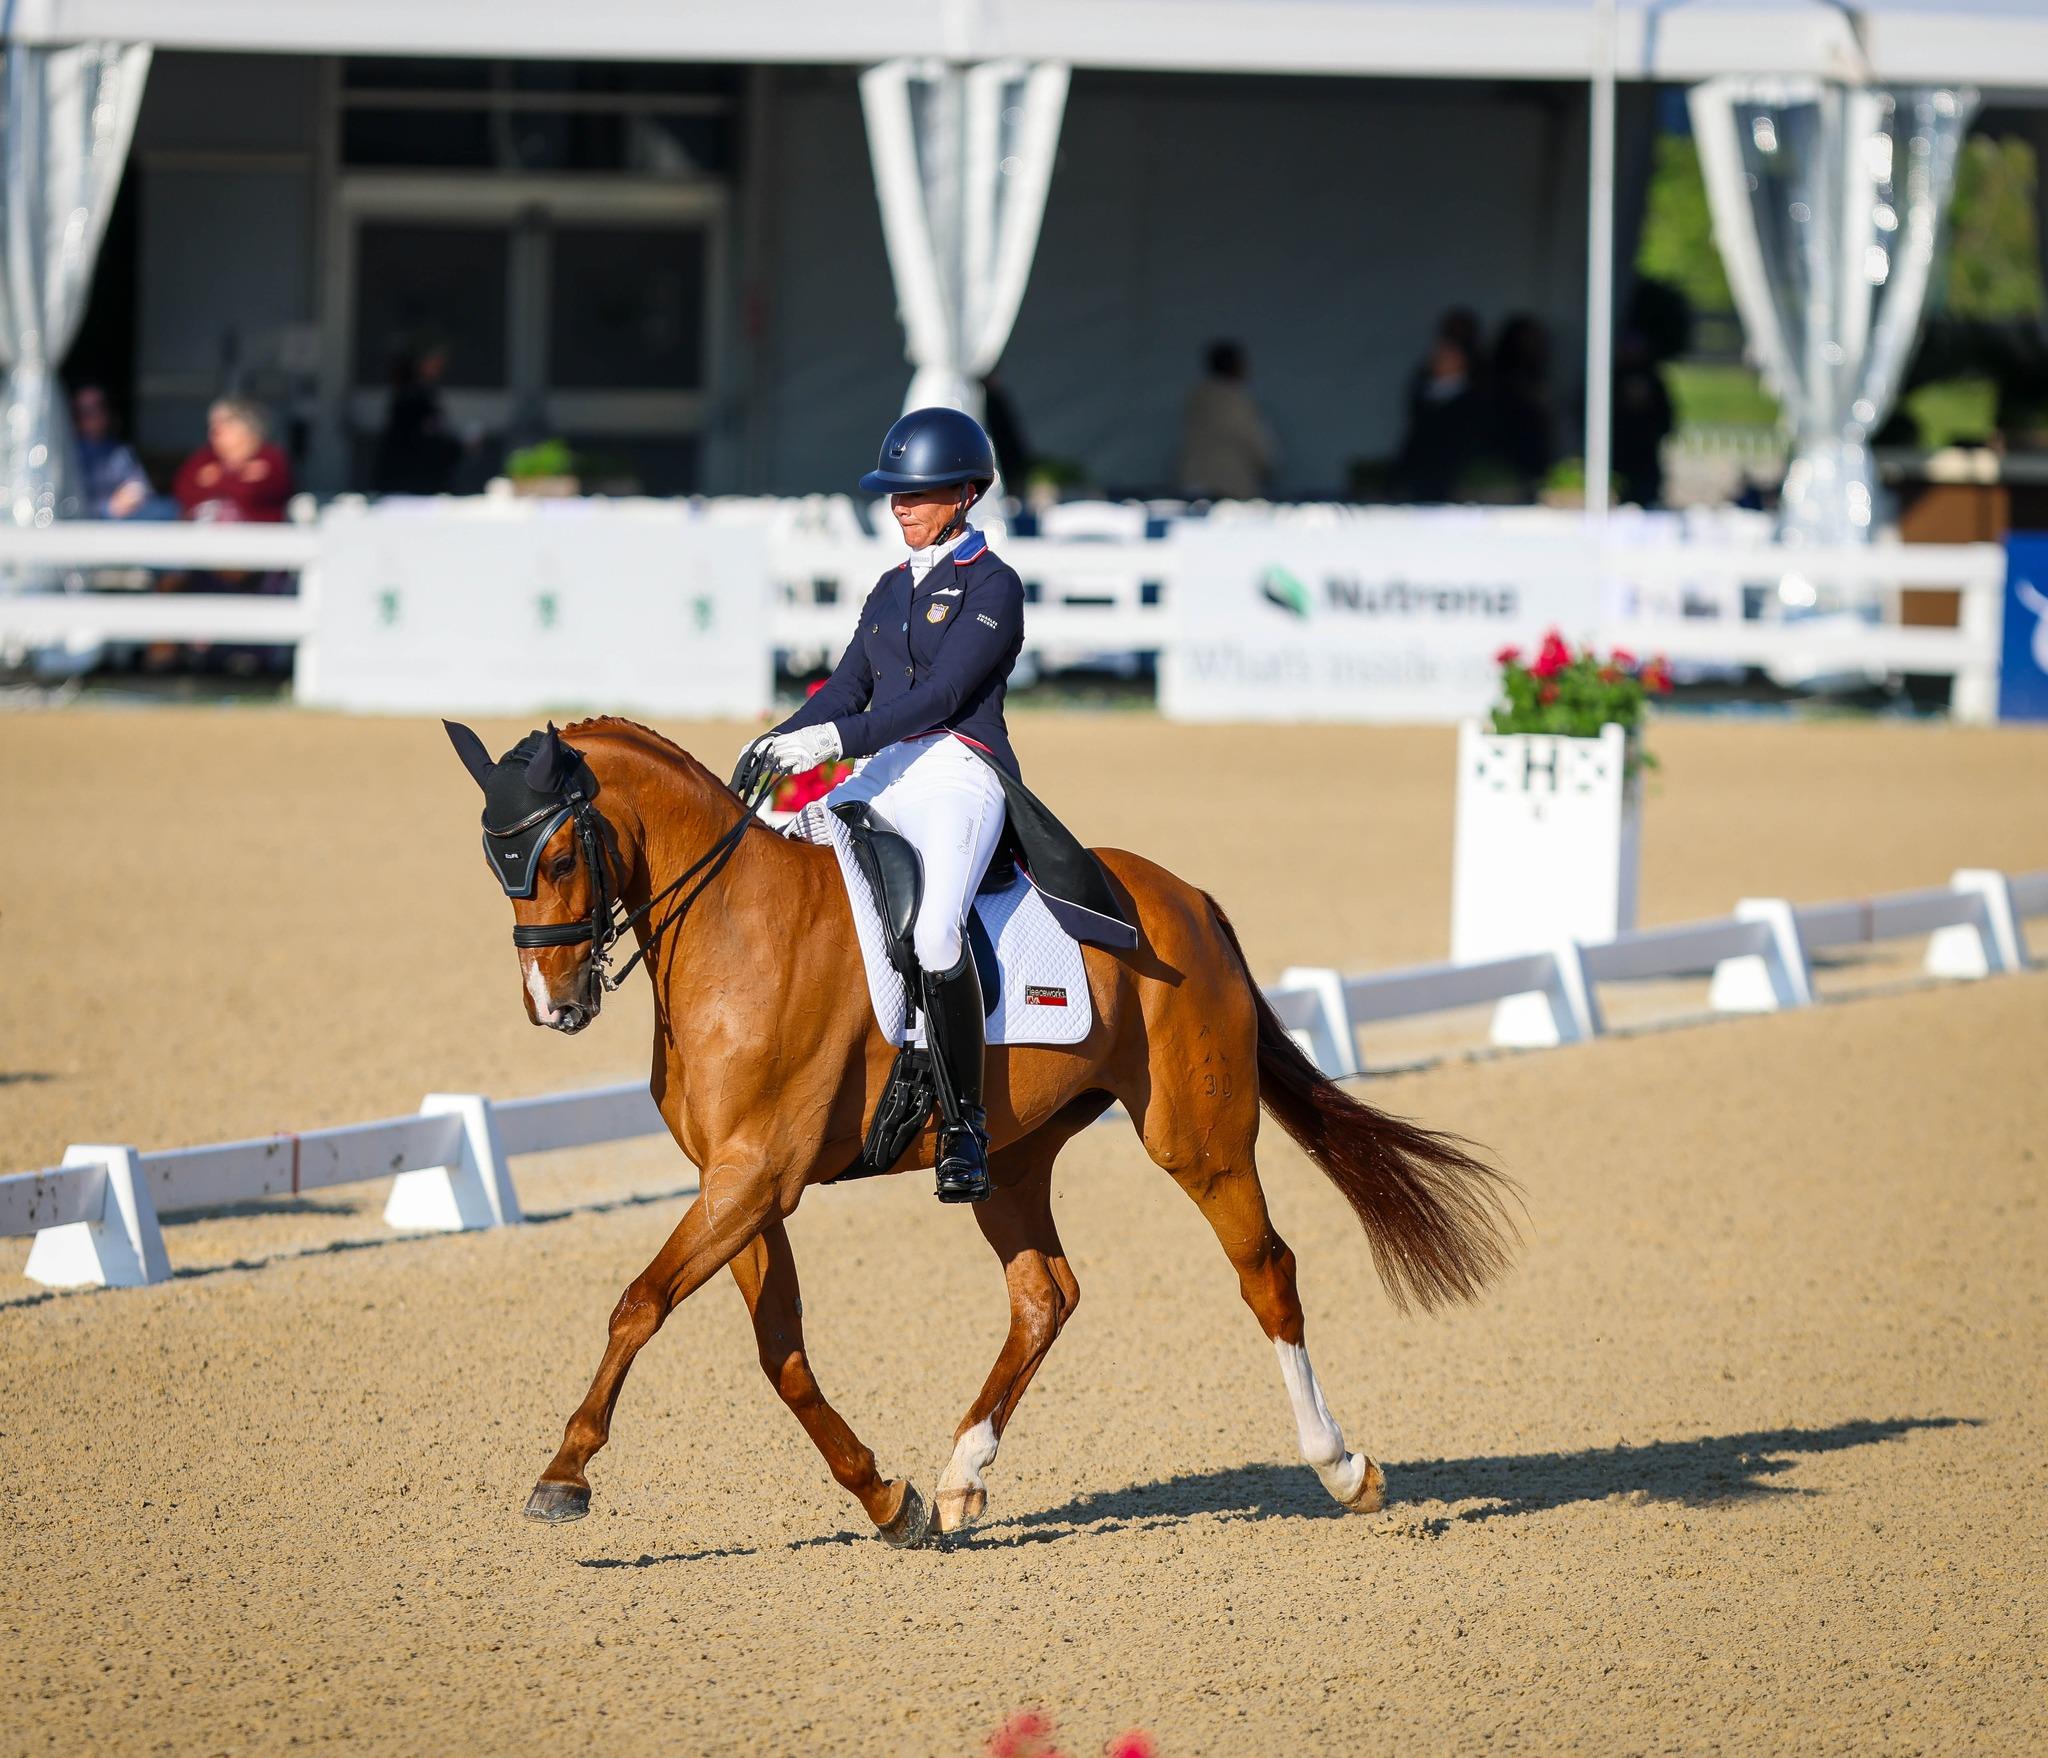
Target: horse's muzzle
x,y
572,1016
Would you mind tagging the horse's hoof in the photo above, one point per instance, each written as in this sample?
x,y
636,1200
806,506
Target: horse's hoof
x,y
913,1522
556,1502
1371,1494
960,1508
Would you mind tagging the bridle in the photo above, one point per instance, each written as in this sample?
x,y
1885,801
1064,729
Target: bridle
x,y
604,926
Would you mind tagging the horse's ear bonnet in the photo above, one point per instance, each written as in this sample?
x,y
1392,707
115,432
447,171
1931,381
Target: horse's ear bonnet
x,y
526,801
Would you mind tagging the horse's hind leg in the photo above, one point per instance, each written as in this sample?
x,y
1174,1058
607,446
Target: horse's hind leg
x,y
1017,1221
1200,1122
766,1274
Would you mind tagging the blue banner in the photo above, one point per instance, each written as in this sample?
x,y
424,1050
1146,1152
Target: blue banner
x,y
2023,662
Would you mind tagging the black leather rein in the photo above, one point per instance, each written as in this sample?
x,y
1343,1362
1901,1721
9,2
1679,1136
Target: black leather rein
x,y
604,926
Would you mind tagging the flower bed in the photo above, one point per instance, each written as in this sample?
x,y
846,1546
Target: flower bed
x,y
1575,694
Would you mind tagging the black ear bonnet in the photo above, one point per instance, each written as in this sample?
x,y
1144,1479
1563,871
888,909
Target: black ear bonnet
x,y
529,794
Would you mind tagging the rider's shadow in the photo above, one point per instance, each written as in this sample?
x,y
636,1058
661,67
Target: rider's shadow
x,y
1697,1473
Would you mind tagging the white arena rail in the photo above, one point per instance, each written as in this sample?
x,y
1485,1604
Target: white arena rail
x,y
1655,591
1759,959
95,1218
38,618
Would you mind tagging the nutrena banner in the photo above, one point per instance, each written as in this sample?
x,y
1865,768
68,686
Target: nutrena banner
x,y
1273,625
2023,656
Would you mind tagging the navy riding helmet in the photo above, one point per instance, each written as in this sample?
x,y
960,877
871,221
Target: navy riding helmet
x,y
932,448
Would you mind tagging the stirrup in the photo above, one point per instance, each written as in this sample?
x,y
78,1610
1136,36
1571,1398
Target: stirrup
x,y
962,1171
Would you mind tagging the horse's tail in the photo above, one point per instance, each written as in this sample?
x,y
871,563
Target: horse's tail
x,y
1435,1215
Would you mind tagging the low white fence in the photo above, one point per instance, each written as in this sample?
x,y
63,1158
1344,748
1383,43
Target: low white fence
x,y
95,1218
1760,959
1375,585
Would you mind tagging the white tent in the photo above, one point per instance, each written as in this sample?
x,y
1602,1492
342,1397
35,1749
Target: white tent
x,y
1991,43
962,159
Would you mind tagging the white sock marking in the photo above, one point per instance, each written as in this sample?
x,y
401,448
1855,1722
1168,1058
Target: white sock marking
x,y
1322,1441
973,1454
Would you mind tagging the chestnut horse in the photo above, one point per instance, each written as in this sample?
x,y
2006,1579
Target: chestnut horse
x,y
768,1063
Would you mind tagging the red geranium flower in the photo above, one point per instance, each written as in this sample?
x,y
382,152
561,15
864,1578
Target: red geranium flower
x,y
1547,695
1507,656
1554,657
1623,657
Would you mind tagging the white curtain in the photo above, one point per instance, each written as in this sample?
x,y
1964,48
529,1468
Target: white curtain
x,y
70,113
962,158
1828,203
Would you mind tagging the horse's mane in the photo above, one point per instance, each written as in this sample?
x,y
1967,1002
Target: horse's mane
x,y
617,726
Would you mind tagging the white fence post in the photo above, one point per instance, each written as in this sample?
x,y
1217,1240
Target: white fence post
x,y
477,1191
124,1248
1976,949
1766,981
1574,1005
1335,1039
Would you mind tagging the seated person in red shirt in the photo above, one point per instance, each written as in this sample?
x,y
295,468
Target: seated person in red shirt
x,y
238,475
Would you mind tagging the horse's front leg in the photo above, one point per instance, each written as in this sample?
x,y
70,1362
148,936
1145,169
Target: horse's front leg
x,y
730,1211
766,1274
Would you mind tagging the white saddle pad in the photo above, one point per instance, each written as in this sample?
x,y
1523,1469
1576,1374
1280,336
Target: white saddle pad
x,y
1043,995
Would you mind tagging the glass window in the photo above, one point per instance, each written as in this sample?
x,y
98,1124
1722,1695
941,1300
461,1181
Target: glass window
x,y
626,308
448,140
415,73
422,285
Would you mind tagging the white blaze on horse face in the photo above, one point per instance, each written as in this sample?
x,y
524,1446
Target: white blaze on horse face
x,y
537,989
1322,1441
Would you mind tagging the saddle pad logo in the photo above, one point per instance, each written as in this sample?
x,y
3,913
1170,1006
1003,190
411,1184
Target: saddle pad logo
x,y
937,613
1043,995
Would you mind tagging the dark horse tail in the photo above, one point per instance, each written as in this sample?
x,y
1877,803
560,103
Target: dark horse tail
x,y
1435,1215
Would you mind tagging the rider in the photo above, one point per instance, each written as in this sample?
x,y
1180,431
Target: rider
x,y
919,694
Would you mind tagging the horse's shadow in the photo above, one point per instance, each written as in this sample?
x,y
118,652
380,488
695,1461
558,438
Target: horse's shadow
x,y
1432,1493
1697,1473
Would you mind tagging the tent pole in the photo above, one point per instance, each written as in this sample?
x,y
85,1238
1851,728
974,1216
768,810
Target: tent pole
x,y
1600,270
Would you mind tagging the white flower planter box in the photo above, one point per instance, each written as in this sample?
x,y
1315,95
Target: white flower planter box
x,y
1548,837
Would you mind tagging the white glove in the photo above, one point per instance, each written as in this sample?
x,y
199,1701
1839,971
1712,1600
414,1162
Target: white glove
x,y
796,753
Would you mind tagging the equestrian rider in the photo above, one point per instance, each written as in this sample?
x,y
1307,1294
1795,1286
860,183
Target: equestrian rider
x,y
919,695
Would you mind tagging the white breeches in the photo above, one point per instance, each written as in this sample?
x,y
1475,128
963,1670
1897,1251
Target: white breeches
x,y
949,803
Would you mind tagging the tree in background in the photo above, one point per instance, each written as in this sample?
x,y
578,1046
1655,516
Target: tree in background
x,y
1678,230
1994,266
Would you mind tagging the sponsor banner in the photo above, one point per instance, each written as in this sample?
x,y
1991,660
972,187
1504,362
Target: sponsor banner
x,y
1275,625
2023,656
459,607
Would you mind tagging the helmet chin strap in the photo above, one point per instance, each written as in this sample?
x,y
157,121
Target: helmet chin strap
x,y
961,508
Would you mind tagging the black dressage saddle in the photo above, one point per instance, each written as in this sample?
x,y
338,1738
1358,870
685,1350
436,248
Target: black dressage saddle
x,y
895,875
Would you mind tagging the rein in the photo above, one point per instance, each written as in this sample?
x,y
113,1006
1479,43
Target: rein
x,y
604,926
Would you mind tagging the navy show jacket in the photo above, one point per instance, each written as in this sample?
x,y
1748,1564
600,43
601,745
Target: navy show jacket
x,y
928,657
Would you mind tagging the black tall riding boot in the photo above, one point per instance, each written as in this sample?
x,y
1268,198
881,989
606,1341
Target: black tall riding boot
x,y
954,1029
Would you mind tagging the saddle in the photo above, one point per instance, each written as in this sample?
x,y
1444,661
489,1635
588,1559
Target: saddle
x,y
889,862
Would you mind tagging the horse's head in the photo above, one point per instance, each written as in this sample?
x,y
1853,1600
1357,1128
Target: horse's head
x,y
559,860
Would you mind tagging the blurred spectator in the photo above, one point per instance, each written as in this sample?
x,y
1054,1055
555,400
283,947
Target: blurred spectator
x,y
1447,413
1006,434
1643,419
1226,449
417,453
238,475
112,482
1524,416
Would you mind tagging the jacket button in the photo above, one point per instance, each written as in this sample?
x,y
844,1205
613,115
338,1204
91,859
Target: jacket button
x,y
910,671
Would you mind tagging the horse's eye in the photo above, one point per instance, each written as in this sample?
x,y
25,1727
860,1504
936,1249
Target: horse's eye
x,y
561,867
